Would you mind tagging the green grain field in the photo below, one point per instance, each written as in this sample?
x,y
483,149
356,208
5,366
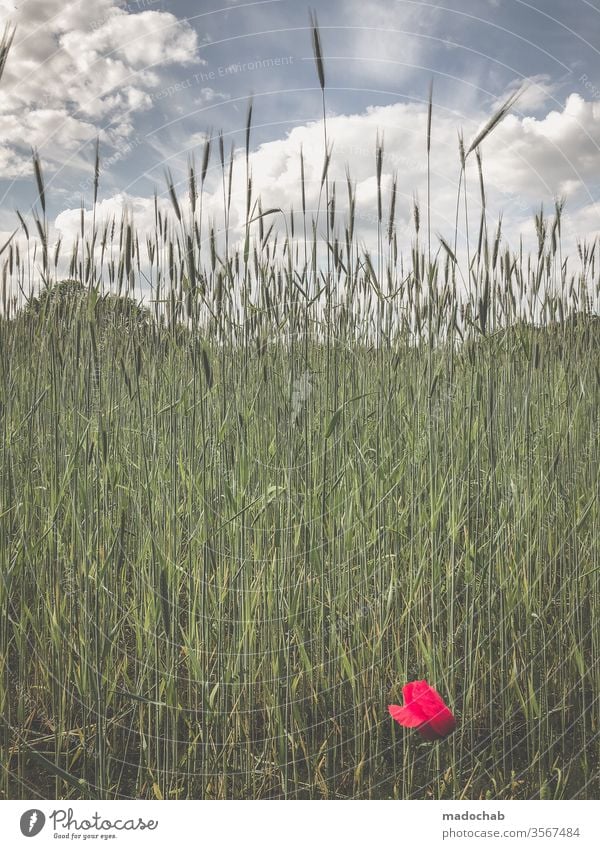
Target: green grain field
x,y
250,487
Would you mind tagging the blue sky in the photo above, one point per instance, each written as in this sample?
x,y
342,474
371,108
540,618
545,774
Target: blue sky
x,y
152,77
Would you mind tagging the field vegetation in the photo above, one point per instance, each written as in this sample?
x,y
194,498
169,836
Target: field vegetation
x,y
250,486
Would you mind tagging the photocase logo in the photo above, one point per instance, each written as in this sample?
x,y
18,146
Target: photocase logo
x,y
32,822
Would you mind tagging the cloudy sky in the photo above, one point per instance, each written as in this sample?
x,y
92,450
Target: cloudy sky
x,y
151,77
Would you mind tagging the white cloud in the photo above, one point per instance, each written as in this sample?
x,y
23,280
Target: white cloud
x,y
526,161
137,209
529,155
536,92
75,66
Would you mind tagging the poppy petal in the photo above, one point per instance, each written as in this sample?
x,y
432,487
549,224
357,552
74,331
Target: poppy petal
x,y
427,732
413,690
404,716
425,710
442,723
438,715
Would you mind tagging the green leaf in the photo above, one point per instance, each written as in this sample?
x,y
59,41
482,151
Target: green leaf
x,y
334,422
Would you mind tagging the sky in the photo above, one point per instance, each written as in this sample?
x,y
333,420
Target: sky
x,y
150,79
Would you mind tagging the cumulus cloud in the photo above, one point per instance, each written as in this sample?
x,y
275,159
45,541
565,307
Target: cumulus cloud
x,y
527,161
76,68
536,92
139,210
554,154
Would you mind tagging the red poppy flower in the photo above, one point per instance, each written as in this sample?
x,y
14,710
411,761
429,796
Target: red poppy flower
x,y
425,710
